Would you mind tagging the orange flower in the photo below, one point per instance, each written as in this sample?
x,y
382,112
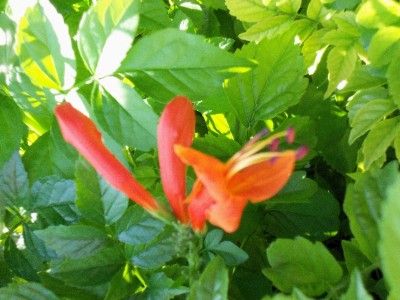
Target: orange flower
x,y
221,191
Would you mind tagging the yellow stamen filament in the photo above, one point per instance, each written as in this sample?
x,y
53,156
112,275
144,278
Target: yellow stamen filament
x,y
245,162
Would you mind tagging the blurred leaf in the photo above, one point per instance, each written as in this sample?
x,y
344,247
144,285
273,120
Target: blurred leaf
x,y
394,79
138,227
96,200
273,86
14,185
379,139
378,13
232,254
123,284
170,62
26,291
89,270
390,236
384,46
269,28
7,54
107,31
12,129
74,241
160,287
362,206
354,258
213,282
248,10
296,295
356,290
44,47
125,116
218,146
302,264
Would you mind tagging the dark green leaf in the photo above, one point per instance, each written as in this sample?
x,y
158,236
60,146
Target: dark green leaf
x,y
232,254
26,291
160,287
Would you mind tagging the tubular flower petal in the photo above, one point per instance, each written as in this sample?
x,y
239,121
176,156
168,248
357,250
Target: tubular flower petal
x,y
176,126
250,175
81,132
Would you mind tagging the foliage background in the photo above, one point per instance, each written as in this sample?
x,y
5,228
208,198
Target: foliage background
x,y
328,68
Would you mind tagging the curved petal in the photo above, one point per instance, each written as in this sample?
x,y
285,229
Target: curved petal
x,y
81,132
263,180
227,214
176,126
209,170
199,203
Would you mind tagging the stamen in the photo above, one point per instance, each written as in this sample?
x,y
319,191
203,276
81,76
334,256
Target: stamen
x,y
274,146
301,152
290,135
254,159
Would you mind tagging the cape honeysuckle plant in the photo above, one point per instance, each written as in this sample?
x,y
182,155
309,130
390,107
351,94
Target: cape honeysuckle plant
x,y
100,75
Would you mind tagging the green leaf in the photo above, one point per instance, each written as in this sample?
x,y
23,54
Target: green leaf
x,y
44,47
232,254
354,258
170,62
218,146
18,262
274,85
153,16
54,199
312,214
138,226
378,13
107,31
213,282
362,206
356,290
96,200
368,115
26,291
390,237
385,45
364,77
123,284
7,54
248,10
341,64
14,185
90,270
162,287
268,28
125,116
11,128
393,79
213,238
288,6
74,241
379,139
302,264
296,295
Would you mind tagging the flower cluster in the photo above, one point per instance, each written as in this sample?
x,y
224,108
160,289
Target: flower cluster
x,y
221,190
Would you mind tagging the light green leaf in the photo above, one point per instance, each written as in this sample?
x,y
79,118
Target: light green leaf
x,y
393,78
153,16
356,290
125,116
385,45
7,54
248,10
353,256
379,139
368,115
90,270
390,238
289,6
273,86
14,185
96,200
362,206
296,295
364,77
74,241
302,264
26,291
107,31
44,47
213,282
268,28
11,128
313,49
378,13
170,62
341,63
